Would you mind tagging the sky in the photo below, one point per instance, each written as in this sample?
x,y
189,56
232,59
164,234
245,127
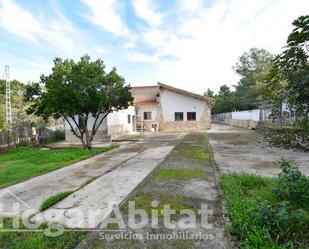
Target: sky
x,y
189,44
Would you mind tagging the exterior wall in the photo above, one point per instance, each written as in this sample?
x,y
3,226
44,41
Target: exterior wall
x,y
145,93
117,122
155,114
244,119
253,115
173,102
148,108
115,125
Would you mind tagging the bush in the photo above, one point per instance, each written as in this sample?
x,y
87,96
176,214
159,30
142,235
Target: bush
x,y
292,186
59,135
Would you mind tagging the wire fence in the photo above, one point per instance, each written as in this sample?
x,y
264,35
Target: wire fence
x,y
25,135
266,115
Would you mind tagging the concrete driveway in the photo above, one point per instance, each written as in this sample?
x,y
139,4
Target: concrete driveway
x,y
118,172
239,150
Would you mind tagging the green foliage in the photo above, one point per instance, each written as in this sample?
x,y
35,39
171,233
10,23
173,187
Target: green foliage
x,y
51,201
19,107
180,174
292,185
265,212
288,80
37,239
224,100
59,135
253,67
24,163
78,91
209,93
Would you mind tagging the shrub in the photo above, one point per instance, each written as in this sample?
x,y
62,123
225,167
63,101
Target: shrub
x,y
292,185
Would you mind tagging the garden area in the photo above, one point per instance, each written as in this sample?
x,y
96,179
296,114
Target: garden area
x,y
24,163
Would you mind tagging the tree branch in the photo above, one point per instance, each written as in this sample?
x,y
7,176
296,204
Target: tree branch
x,y
73,131
94,131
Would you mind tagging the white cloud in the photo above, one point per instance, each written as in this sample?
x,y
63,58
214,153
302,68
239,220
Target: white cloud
x,y
106,15
142,57
208,40
22,23
145,10
18,21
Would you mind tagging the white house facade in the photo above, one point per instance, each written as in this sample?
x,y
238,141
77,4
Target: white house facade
x,y
155,108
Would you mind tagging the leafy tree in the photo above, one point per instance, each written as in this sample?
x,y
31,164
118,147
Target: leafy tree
x,y
79,91
289,77
254,67
224,100
254,61
209,93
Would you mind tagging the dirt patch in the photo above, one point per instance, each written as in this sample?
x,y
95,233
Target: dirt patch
x,y
201,189
80,174
265,164
239,150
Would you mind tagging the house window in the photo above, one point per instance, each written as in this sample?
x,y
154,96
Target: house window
x,y
129,119
147,115
191,116
178,116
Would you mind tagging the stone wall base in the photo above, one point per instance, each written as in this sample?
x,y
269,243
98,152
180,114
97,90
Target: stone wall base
x,y
248,124
184,125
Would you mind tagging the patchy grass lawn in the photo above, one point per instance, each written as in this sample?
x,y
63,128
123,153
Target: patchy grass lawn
x,y
24,163
259,218
37,239
180,174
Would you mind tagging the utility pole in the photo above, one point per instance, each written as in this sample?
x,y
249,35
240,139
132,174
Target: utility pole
x,y
8,107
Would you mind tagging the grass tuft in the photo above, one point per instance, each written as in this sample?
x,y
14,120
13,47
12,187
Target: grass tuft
x,y
179,174
51,201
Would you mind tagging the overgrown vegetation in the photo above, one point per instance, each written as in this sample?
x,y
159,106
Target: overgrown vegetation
x,y
24,163
51,201
269,213
289,76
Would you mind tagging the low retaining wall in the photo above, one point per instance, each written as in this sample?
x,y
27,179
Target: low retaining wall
x,y
248,124
243,119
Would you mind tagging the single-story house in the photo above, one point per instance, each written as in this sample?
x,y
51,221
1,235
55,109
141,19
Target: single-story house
x,y
155,108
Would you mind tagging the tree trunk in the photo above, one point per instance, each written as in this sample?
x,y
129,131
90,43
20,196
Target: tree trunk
x,y
88,139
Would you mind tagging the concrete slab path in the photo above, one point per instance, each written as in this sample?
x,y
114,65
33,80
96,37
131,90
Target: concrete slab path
x,y
238,150
32,193
98,197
